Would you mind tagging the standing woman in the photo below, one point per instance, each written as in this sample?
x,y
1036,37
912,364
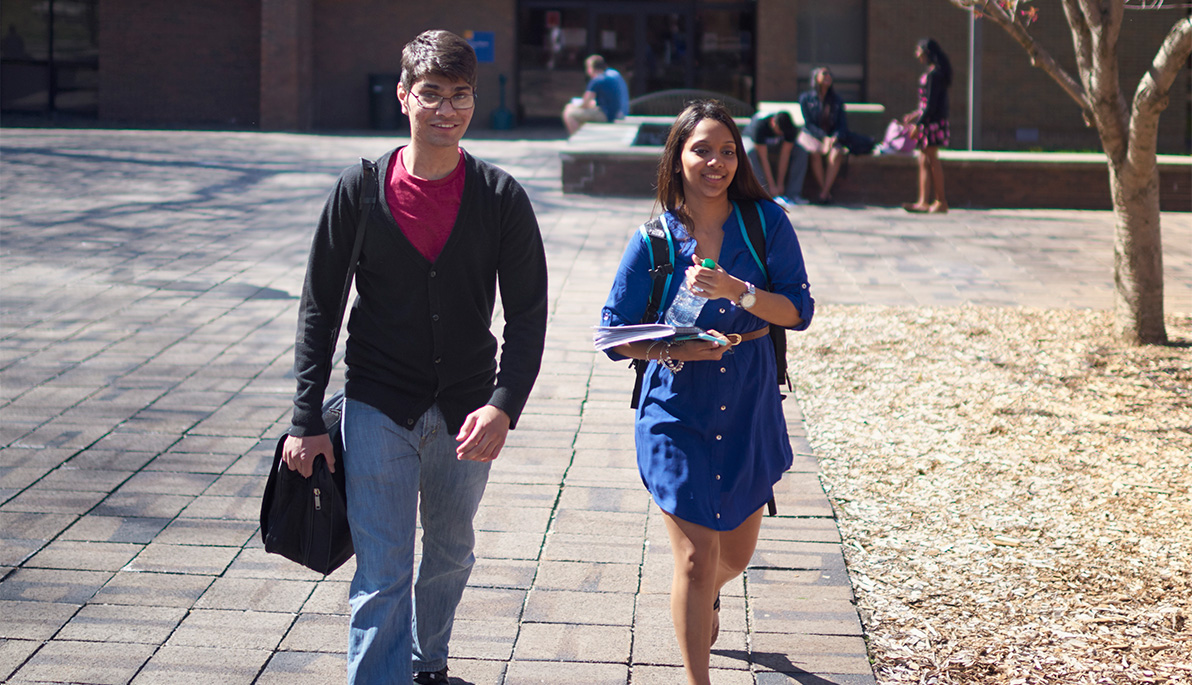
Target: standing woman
x,y
710,434
930,125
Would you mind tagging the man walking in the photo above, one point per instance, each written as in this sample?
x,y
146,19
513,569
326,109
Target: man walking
x,y
427,409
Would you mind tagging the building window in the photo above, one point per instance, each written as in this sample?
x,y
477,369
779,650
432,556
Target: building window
x,y
49,56
656,45
832,34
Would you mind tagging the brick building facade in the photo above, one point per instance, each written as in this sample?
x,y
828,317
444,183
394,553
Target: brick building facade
x,y
306,64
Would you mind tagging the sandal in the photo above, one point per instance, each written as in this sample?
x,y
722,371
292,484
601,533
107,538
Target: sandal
x,y
716,620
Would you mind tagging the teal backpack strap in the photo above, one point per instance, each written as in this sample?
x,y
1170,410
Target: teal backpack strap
x,y
754,233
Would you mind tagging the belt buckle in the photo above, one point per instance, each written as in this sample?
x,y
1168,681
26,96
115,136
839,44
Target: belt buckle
x,y
734,339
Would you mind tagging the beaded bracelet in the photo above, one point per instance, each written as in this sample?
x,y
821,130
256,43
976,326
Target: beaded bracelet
x,y
675,365
651,348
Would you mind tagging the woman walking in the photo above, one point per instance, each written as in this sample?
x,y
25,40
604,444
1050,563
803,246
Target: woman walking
x,y
930,122
710,434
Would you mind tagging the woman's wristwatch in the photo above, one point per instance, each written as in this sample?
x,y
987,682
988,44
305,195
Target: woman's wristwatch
x,y
749,297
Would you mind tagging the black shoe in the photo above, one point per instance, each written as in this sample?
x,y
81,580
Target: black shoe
x,y
431,677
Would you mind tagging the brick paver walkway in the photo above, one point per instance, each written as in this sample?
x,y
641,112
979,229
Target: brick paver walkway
x,y
149,294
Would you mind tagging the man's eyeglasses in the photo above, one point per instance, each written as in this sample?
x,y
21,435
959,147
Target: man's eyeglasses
x,y
435,101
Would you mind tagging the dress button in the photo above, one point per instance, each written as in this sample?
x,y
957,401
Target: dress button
x,y
722,310
805,286
722,369
717,515
723,407
434,317
718,437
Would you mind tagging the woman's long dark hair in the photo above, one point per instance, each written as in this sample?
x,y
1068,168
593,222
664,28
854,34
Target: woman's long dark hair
x,y
935,55
744,185
829,98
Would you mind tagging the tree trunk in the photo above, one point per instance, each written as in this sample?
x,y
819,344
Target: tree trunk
x,y
1137,255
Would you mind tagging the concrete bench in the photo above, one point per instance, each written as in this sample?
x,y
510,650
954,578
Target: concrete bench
x,y
602,159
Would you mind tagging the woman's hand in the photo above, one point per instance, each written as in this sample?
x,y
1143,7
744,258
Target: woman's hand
x,y
696,350
713,283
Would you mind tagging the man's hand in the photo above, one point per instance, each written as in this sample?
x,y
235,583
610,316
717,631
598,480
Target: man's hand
x,y
299,453
483,434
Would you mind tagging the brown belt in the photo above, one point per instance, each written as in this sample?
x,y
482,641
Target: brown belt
x,y
738,338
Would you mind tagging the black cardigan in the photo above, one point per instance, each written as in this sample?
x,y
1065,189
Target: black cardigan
x,y
419,333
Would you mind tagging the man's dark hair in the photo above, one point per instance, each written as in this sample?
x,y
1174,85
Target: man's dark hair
x,y
596,62
785,124
441,53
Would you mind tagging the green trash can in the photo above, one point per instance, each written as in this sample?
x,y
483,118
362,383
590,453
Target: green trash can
x,y
384,111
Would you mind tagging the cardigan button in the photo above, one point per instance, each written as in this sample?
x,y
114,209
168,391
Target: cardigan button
x,y
433,273
438,359
434,317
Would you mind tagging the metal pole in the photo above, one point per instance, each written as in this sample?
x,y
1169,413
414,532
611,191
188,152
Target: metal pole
x,y
974,82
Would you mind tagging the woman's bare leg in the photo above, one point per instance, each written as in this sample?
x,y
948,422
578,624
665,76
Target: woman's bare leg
x,y
835,161
705,560
924,178
937,178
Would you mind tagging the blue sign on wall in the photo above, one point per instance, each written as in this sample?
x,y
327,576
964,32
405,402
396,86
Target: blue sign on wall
x,y
482,43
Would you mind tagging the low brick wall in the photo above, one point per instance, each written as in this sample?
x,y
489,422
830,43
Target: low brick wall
x,y
600,160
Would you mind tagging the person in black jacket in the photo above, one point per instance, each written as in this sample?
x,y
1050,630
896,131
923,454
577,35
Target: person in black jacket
x,y
930,126
824,131
427,409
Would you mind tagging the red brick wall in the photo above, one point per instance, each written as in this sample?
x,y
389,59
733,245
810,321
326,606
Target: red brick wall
x,y
1014,94
355,38
778,50
892,71
286,39
182,61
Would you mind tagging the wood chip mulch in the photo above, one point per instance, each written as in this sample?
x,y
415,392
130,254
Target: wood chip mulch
x,y
1012,487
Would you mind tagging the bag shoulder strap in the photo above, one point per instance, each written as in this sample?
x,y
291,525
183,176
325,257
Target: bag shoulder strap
x,y
753,230
662,264
662,267
368,200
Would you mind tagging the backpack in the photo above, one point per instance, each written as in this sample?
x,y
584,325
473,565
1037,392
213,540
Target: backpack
x,y
662,260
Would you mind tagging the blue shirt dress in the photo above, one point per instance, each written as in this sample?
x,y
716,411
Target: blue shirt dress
x,y
711,439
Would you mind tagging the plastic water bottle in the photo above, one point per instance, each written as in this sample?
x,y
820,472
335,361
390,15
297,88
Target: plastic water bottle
x,y
687,305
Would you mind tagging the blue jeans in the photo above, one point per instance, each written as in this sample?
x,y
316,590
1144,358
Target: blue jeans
x,y
393,634
795,174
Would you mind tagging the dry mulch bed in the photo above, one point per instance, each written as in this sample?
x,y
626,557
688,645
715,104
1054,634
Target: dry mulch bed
x,y
1012,487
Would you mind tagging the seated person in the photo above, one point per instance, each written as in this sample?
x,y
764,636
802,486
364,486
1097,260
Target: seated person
x,y
824,129
763,134
606,99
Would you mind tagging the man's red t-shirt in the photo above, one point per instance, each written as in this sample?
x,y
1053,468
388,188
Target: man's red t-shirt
x,y
425,210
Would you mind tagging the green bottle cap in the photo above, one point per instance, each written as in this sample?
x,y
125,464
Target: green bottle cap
x,y
708,264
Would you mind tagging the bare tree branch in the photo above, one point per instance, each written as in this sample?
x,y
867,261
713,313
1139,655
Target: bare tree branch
x,y
1039,57
1151,96
1103,80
